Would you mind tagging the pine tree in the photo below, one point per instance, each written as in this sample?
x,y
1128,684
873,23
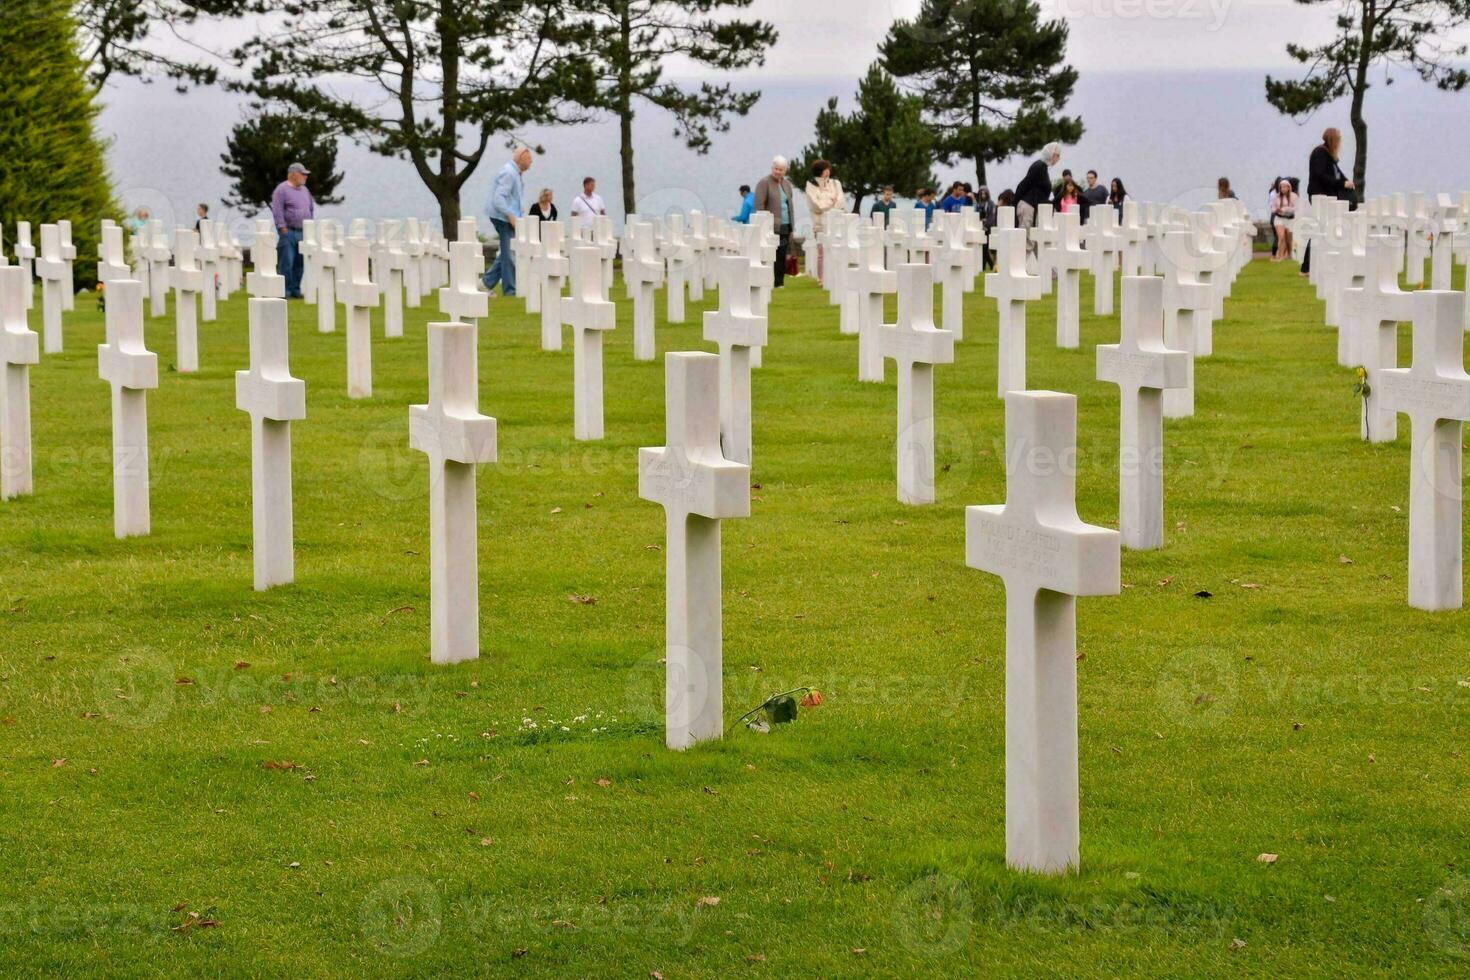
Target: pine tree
x,y
52,165
1417,34
264,145
991,74
884,142
629,44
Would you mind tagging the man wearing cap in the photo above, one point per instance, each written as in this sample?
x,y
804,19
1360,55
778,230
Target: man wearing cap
x,y
291,204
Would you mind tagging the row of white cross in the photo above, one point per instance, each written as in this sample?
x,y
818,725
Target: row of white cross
x,y
1357,258
701,476
1036,542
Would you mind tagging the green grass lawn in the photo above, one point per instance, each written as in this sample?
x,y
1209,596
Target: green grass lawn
x,y
290,767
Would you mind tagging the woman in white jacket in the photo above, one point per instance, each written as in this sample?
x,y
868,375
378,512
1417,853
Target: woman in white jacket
x,y
823,194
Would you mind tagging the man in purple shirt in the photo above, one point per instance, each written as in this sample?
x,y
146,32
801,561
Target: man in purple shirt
x,y
291,204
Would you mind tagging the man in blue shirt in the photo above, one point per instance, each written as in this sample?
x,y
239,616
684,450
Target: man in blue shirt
x,y
747,205
925,203
505,211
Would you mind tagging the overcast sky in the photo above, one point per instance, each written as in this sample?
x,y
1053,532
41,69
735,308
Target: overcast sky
x,y
839,37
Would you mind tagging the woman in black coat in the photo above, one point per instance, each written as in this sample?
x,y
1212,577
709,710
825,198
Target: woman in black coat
x,y
1326,179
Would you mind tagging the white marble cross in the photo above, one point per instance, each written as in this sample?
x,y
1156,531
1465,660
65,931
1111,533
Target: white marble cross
x,y
158,256
274,400
1435,393
359,296
131,369
954,266
1142,367
1068,259
1046,235
1047,557
391,264
462,299
1417,245
1187,301
51,269
896,237
1011,288
413,270
916,346
1447,219
310,248
760,251
208,254
736,330
643,272
456,437
1375,311
68,258
552,267
679,255
328,264
188,282
18,351
1134,235
265,282
841,242
698,241
697,487
1104,242
527,254
588,312
25,257
869,281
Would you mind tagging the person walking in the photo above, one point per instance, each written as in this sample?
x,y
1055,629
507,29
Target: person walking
x,y
985,208
138,223
823,195
1222,189
747,205
291,204
1035,188
201,215
953,199
544,208
1069,197
505,210
1283,202
885,205
1117,196
775,195
924,201
588,205
1326,179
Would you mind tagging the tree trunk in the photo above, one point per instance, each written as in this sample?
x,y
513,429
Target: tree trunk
x,y
625,108
980,180
449,213
447,191
1360,88
625,127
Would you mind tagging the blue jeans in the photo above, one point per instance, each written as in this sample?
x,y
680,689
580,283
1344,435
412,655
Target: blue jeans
x,y
503,269
288,261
